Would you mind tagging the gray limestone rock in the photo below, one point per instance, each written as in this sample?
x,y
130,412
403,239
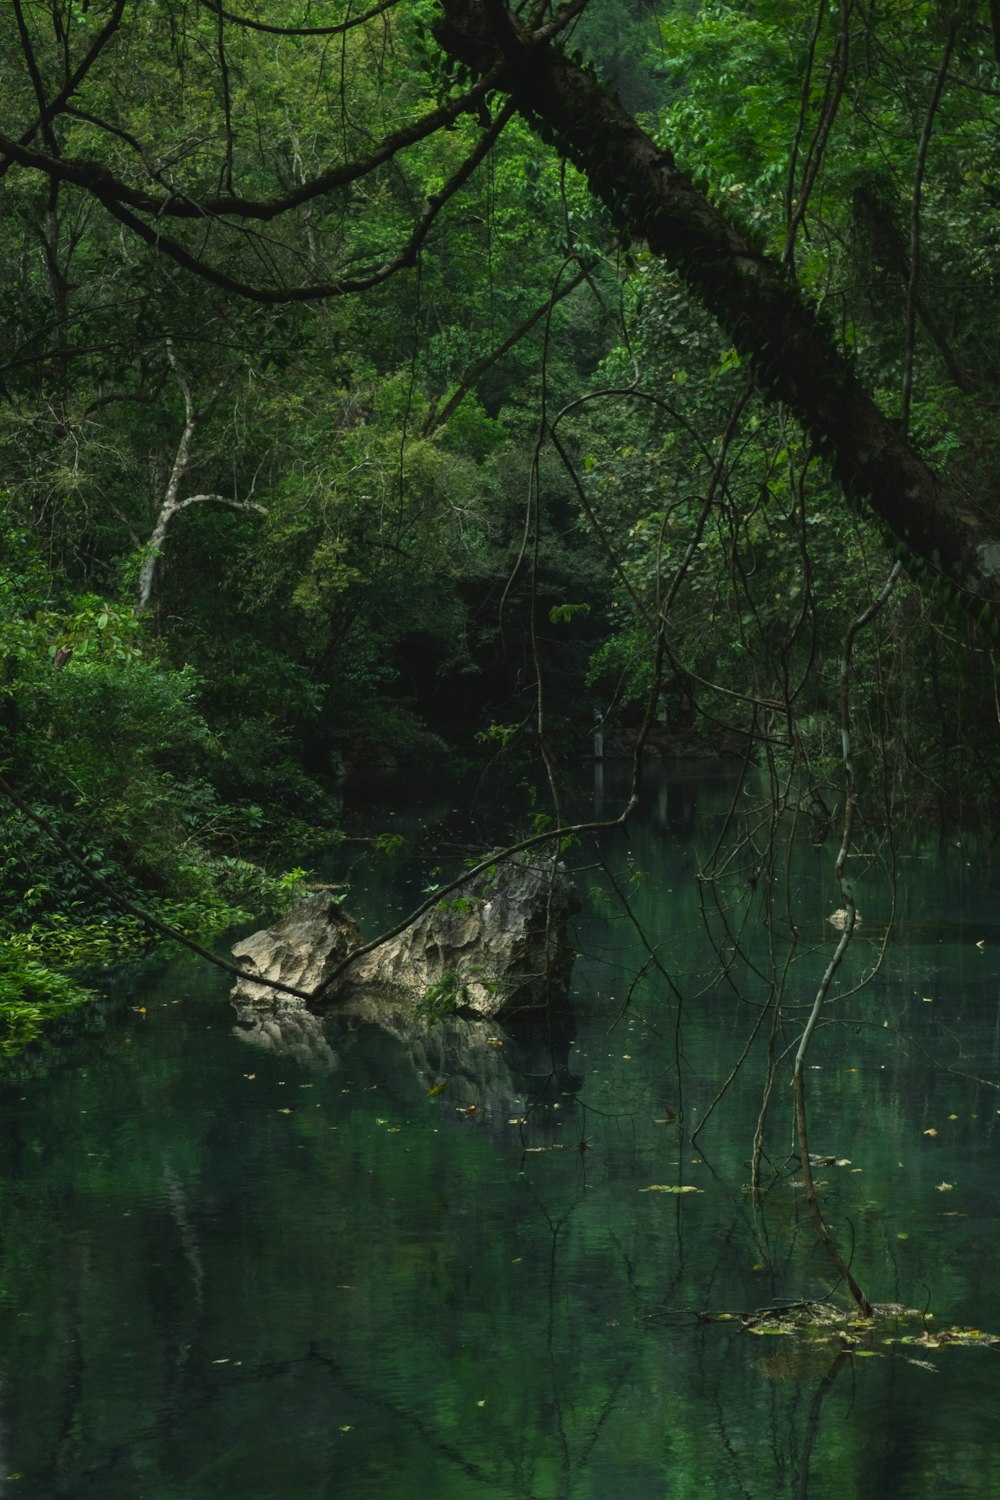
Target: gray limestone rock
x,y
493,947
302,949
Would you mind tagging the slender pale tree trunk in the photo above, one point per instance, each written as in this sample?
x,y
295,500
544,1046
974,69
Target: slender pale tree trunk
x,y
172,502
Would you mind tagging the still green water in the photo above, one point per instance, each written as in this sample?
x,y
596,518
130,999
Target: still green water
x,y
278,1270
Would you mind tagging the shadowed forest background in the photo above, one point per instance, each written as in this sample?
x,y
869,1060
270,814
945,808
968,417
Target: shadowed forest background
x,y
348,419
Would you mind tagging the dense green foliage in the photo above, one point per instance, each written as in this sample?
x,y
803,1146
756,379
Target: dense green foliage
x,y
309,464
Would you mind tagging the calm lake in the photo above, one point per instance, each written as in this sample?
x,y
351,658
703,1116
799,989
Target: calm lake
x,y
291,1272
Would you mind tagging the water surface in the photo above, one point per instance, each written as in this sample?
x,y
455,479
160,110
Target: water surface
x,y
288,1273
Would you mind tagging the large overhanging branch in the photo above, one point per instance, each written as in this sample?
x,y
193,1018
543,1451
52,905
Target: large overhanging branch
x,y
252,23
769,322
94,177
405,256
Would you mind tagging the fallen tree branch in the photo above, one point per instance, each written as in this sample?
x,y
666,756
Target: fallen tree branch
x,y
850,922
153,923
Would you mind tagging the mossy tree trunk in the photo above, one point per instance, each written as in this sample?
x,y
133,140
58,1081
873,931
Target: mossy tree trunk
x,y
942,537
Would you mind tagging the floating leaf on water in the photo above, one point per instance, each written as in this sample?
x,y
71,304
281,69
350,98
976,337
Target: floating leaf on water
x,y
660,1187
953,1117
841,919
932,1131
945,1187
438,1088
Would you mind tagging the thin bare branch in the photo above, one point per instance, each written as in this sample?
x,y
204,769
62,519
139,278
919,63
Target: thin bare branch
x,y
60,100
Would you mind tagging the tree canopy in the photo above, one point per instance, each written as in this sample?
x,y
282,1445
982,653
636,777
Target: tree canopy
x,y
193,127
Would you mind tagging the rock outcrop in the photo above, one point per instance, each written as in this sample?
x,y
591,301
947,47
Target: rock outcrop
x,y
302,950
493,947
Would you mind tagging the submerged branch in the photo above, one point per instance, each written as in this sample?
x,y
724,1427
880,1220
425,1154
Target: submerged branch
x,y
850,922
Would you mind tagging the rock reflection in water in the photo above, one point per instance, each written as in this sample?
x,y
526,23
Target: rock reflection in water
x,y
493,1072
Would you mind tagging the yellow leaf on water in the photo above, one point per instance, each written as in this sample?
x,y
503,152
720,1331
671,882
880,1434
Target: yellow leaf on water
x,y
659,1187
438,1088
945,1187
932,1131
